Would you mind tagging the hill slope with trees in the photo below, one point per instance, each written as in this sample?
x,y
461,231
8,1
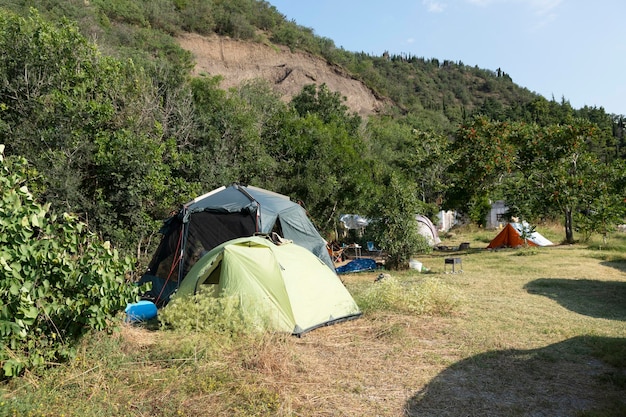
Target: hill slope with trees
x,y
124,116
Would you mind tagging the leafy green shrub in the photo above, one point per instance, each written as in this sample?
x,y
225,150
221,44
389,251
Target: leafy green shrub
x,y
205,313
429,296
396,229
124,11
57,279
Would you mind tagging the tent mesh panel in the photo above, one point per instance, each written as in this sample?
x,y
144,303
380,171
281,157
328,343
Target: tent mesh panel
x,y
206,231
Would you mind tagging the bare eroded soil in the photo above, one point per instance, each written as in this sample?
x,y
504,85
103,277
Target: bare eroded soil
x,y
237,61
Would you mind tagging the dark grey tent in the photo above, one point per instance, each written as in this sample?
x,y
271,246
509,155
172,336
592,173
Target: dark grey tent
x,y
219,216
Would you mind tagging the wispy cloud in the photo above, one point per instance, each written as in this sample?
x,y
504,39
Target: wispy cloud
x,y
434,6
544,7
545,11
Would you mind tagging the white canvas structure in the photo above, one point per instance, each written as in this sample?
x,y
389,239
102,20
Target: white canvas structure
x,y
427,229
353,221
446,219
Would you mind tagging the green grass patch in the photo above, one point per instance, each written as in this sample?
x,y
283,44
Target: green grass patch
x,y
429,295
528,251
550,328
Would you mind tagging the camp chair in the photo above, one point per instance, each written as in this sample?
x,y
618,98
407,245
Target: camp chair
x,y
371,248
336,252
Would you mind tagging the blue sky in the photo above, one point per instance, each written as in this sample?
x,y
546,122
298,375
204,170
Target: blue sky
x,y
572,49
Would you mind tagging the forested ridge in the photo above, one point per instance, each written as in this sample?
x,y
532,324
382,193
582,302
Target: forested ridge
x,y
99,98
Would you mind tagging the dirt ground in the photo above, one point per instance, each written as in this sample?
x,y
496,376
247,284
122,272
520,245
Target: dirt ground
x,y
431,366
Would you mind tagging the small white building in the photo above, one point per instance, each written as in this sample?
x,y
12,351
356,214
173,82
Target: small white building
x,y
496,219
446,219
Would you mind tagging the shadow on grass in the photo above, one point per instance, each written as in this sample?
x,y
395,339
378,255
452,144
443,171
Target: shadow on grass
x,y
582,376
619,264
600,299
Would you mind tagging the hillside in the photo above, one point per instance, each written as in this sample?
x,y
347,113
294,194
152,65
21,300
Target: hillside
x,y
141,99
246,39
448,88
238,61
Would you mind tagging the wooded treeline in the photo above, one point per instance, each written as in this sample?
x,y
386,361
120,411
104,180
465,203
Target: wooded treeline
x,y
121,134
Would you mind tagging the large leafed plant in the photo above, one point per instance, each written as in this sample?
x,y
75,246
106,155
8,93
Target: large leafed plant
x,y
58,280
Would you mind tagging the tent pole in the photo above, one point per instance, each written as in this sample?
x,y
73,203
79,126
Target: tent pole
x,y
258,210
181,259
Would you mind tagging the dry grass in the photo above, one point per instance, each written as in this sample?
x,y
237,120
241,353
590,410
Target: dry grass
x,y
537,335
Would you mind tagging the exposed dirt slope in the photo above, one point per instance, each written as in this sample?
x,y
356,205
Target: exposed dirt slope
x,y
237,61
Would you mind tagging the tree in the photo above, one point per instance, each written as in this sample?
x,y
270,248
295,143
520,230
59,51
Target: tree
x,y
327,105
421,155
556,169
321,156
88,125
483,155
322,165
395,228
565,169
227,146
602,206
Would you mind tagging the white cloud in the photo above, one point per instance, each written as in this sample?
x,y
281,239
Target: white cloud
x,y
544,10
544,7
434,6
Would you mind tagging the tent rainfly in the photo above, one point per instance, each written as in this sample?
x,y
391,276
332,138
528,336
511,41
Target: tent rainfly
x,y
511,237
427,229
219,216
284,287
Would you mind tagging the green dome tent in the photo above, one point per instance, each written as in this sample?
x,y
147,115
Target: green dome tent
x,y
221,215
284,286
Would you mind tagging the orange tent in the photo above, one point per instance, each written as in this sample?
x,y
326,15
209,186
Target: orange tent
x,y
511,237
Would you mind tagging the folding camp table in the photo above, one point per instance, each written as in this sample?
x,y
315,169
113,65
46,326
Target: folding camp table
x,y
453,262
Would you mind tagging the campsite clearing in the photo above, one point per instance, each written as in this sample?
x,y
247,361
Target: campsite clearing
x,y
542,334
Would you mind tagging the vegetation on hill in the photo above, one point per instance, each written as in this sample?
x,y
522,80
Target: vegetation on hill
x,y
121,134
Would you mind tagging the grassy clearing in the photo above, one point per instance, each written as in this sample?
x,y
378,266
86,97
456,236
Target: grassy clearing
x,y
541,334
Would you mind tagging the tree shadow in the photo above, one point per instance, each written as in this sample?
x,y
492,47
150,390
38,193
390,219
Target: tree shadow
x,y
600,299
619,264
564,379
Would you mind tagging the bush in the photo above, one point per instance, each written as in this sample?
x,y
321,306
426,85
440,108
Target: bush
x,y
396,229
429,296
57,279
205,313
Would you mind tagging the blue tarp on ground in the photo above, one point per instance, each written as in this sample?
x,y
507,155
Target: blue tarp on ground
x,y
357,265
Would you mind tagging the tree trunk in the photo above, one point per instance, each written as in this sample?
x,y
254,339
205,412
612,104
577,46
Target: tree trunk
x,y
569,232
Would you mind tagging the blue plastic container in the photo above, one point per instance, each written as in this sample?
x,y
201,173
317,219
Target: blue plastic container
x,y
140,311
